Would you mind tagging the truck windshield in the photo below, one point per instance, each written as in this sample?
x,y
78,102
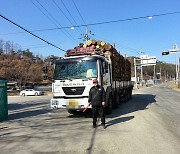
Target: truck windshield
x,y
75,70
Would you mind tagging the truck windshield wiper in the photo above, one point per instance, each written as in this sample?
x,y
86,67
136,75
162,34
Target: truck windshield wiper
x,y
67,79
63,79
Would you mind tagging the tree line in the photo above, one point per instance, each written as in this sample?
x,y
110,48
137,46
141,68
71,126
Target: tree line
x,y
22,66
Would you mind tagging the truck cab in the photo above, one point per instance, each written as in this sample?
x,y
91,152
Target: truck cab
x,y
73,78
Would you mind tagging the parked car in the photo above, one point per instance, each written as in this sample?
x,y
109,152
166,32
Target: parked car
x,y
31,92
150,82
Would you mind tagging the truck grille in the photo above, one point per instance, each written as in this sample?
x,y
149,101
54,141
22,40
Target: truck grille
x,y
73,90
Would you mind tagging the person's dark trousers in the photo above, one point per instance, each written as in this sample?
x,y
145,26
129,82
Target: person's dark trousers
x,y
98,111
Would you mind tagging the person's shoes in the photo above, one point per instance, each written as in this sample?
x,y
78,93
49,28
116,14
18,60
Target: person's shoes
x,y
104,126
94,126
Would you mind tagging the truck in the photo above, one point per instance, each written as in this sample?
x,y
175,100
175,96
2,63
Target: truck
x,y
74,73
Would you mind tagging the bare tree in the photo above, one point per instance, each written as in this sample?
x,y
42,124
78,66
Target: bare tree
x,y
1,46
7,46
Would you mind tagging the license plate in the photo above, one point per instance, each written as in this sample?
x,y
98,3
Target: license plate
x,y
73,103
54,103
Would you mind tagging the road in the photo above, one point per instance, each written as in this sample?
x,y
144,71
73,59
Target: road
x,y
147,124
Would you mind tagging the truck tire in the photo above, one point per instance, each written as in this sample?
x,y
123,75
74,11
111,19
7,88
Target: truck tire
x,y
72,111
109,106
130,93
125,97
117,100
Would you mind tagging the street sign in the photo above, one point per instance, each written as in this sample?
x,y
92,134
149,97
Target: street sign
x,y
148,61
138,67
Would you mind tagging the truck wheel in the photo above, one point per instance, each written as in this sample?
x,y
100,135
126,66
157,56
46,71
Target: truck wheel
x,y
117,101
109,106
130,94
72,111
125,97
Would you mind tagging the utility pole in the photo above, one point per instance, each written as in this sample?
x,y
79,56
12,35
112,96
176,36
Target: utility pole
x,y
154,73
160,73
141,75
135,73
174,50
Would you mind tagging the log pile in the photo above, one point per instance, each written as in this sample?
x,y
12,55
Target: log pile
x,y
121,67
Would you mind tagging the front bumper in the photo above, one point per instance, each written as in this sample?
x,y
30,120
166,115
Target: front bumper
x,y
74,103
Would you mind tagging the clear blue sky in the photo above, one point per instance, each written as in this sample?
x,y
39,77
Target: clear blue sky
x,y
150,36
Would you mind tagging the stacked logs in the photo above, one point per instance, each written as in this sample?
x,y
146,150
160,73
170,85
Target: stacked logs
x,y
100,46
121,67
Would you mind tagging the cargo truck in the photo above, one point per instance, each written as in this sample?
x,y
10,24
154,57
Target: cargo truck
x,y
73,76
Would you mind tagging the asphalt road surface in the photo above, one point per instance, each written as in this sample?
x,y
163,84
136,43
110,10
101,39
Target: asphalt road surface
x,y
147,124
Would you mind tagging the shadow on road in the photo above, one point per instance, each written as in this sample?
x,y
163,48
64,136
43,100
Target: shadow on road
x,y
30,109
89,149
78,114
119,120
17,106
138,102
25,114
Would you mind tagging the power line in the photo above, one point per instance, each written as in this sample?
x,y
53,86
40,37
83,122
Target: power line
x,y
78,12
43,12
63,13
106,22
43,46
81,17
69,14
128,19
118,44
31,33
55,21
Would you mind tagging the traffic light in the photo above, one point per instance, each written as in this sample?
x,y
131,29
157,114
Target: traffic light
x,y
165,53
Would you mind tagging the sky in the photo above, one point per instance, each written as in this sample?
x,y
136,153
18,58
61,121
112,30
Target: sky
x,y
131,37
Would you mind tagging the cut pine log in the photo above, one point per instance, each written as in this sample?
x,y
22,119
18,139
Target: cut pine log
x,y
108,47
94,42
84,46
89,42
103,43
99,42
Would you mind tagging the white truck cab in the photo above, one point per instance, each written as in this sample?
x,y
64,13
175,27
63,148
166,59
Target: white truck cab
x,y
73,79
73,76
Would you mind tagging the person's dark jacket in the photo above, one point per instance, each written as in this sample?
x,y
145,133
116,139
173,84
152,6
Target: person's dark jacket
x,y
96,96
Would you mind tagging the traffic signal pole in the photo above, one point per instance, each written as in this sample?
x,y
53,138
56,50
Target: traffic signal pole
x,y
135,74
177,60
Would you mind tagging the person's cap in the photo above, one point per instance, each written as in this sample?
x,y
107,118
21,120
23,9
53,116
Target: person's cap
x,y
95,81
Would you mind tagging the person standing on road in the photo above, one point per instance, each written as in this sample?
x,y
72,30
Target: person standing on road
x,y
97,100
